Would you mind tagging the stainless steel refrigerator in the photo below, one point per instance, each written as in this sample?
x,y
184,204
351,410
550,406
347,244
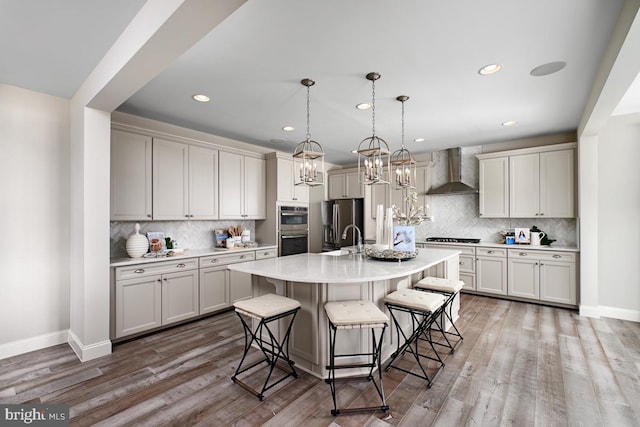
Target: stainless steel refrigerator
x,y
336,215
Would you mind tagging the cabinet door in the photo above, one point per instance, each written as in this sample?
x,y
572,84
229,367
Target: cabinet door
x,y
240,286
170,180
287,191
558,282
231,179
255,201
138,305
524,278
494,187
557,184
179,296
203,183
524,186
354,189
491,275
469,281
214,289
337,186
130,176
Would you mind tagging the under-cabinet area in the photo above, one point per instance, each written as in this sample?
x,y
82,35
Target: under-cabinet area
x,y
152,294
543,274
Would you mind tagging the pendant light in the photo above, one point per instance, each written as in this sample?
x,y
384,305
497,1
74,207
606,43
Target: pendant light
x,y
402,162
308,156
373,152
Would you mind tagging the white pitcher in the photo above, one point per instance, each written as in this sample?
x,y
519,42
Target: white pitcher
x,y
536,237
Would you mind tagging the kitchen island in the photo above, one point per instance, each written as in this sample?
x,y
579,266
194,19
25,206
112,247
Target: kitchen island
x,y
315,279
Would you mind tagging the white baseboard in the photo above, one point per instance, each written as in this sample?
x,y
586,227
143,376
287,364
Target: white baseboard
x,y
590,311
620,313
611,312
88,352
26,345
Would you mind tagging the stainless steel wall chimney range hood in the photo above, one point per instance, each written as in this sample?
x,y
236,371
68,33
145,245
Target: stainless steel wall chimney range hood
x,y
455,184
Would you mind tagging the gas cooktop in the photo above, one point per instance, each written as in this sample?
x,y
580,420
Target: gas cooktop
x,y
452,240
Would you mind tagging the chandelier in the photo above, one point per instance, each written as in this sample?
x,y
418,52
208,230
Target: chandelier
x,y
308,156
373,152
402,161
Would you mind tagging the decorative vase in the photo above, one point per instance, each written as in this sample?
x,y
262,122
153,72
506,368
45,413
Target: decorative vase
x,y
137,244
388,228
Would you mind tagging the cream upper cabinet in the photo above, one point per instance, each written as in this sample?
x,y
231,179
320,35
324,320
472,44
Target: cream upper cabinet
x,y
130,176
524,186
184,181
557,184
345,185
203,183
242,187
529,183
287,191
494,187
170,180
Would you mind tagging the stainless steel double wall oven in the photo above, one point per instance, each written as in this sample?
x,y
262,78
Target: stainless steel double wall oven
x,y
293,230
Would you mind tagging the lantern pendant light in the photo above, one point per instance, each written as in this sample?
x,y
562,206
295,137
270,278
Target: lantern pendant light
x,y
373,152
402,162
308,156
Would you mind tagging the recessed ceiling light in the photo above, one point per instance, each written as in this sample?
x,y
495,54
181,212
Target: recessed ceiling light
x,y
548,68
489,69
278,140
509,123
201,98
363,106
288,128
418,140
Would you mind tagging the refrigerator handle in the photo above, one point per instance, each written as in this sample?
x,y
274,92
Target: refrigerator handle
x,y
336,224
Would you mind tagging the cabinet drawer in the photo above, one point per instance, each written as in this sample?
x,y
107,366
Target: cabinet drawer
x,y
497,252
224,259
543,255
266,253
467,264
149,269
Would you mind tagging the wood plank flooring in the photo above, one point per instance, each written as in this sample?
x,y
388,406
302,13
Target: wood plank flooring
x,y
520,364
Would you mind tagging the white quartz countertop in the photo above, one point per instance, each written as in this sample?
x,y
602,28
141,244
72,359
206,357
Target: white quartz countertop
x,y
188,253
551,247
354,268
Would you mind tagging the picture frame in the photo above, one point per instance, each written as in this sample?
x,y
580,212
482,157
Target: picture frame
x,y
404,238
523,236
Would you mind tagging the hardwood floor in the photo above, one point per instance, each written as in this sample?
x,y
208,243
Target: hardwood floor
x,y
520,364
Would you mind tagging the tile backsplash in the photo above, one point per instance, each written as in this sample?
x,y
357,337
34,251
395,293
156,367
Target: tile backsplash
x,y
189,234
458,215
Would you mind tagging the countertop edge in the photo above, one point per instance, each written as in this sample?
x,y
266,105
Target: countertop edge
x,y
505,246
191,253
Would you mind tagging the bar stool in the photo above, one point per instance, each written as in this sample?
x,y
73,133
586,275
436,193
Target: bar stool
x,y
266,309
423,309
356,315
450,288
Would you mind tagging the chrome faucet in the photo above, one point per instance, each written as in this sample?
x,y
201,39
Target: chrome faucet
x,y
344,236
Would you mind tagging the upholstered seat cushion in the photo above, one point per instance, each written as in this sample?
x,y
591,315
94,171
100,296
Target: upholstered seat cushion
x,y
266,305
439,284
419,300
355,314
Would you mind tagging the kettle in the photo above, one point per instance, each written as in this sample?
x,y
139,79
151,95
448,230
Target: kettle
x,y
536,237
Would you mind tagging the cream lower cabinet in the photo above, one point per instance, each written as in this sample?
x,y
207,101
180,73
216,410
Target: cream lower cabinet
x,y
148,296
491,270
214,289
543,275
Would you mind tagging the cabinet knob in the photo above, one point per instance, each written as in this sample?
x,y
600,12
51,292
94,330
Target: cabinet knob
x,y
537,214
148,215
542,213
159,281
523,254
242,257
541,264
491,252
557,256
215,260
165,279
181,265
536,263
139,271
461,263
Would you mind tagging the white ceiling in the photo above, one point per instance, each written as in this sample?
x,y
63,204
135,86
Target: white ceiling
x,y
251,65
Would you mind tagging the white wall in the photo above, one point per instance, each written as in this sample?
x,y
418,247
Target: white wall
x,y
34,213
619,217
